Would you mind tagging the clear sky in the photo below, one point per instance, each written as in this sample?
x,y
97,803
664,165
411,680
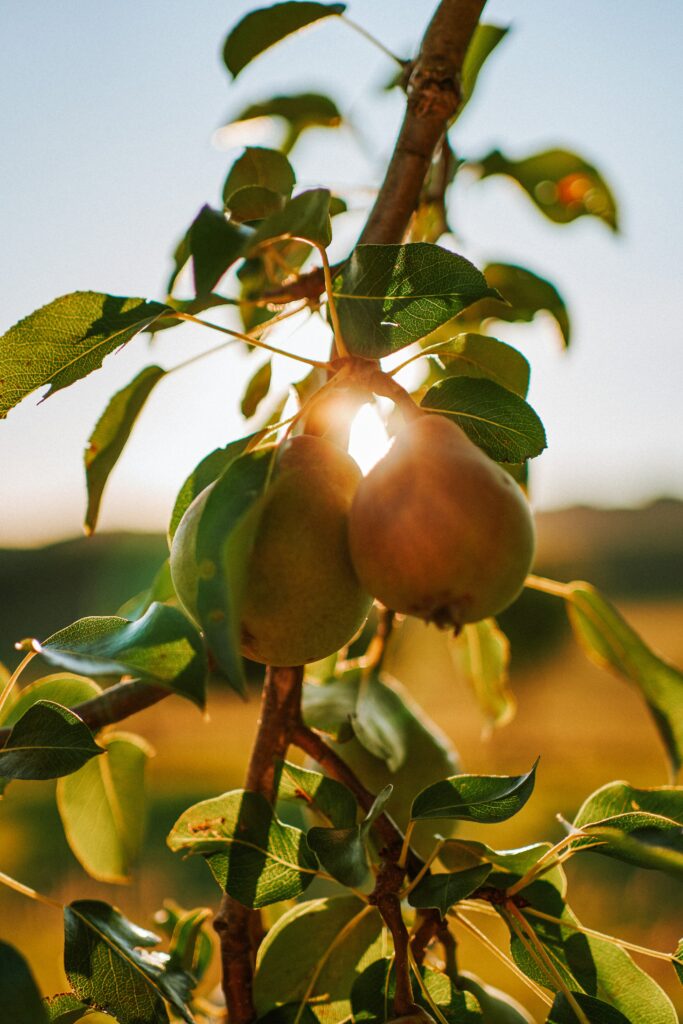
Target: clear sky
x,y
108,117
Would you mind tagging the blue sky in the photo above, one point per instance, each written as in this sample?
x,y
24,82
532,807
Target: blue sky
x,y
108,115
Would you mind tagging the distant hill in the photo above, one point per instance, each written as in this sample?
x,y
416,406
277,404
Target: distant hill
x,y
626,552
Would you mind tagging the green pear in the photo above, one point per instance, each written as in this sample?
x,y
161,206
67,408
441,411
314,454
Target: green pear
x,y
303,601
438,530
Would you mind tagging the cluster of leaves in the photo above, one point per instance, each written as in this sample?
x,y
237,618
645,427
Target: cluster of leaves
x,y
386,298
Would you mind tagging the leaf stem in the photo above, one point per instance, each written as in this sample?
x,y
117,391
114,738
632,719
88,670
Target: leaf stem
x,y
403,856
374,40
252,340
537,951
26,890
9,686
644,950
500,955
547,586
424,990
340,347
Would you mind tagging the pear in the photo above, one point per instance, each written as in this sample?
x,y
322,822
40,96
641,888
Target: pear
x,y
302,601
438,530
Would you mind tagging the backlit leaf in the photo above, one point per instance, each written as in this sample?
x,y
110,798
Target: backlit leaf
x,y
482,654
20,1000
261,29
476,355
299,111
252,203
110,963
62,688
162,648
66,340
334,940
323,795
482,798
561,184
525,294
48,741
67,1009
483,42
639,826
611,643
111,432
379,733
389,296
256,858
501,423
102,807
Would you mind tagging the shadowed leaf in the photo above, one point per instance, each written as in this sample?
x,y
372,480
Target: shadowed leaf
x,y
20,1000
482,798
261,29
48,741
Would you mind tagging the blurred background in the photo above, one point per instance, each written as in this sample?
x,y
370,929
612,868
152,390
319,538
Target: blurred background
x,y
110,119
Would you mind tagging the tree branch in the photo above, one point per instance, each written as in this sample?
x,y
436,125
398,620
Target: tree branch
x,y
434,95
112,705
239,928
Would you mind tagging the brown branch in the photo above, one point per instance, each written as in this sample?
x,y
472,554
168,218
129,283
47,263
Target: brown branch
x,y
434,95
240,928
112,705
386,899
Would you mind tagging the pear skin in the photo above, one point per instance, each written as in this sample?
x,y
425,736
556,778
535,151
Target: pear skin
x,y
438,530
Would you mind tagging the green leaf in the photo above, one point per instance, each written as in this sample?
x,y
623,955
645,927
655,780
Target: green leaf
x,y
639,826
372,996
382,735
214,244
561,184
109,963
65,1009
257,389
678,961
445,890
596,1012
343,852
261,29
476,355
501,423
525,295
252,203
306,217
263,168
66,340
482,654
225,537
432,756
587,964
190,947
19,996
611,643
313,953
63,688
109,437
208,470
389,296
161,589
161,648
482,798
323,795
300,111
102,807
46,742
252,855
483,43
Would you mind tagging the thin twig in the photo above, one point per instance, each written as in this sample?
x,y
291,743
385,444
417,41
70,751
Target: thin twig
x,y
240,336
374,40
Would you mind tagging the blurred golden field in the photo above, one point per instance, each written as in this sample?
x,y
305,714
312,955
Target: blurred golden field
x,y
588,727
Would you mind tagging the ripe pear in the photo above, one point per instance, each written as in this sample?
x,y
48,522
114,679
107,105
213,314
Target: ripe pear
x,y
438,530
303,601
